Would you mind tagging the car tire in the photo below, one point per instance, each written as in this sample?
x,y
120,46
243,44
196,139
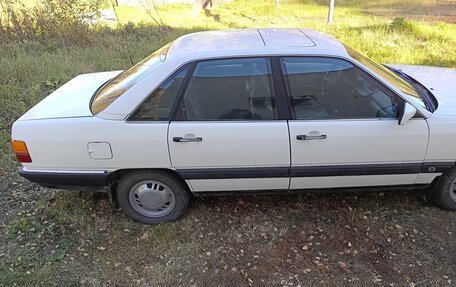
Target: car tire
x,y
445,192
152,197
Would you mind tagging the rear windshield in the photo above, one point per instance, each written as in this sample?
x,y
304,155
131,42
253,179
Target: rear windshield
x,y
125,80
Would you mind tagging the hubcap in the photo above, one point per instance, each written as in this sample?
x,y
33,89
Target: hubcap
x,y
453,190
152,198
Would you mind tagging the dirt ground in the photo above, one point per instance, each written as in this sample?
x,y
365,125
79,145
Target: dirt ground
x,y
64,238
438,11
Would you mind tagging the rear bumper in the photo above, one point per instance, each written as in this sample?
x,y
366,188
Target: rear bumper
x,y
64,179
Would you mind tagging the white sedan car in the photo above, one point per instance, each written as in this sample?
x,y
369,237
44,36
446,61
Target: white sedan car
x,y
225,112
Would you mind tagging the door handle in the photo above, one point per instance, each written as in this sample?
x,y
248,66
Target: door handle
x,y
186,140
308,138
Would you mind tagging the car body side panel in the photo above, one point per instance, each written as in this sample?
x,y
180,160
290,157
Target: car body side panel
x,y
441,147
230,144
351,181
236,184
357,143
229,150
62,144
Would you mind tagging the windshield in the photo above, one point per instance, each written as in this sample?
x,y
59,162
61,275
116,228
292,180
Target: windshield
x,y
125,80
386,74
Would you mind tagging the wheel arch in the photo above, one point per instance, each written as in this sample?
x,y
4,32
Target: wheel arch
x,y
118,174
115,176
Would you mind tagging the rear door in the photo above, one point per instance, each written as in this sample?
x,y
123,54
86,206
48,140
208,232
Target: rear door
x,y
228,133
345,131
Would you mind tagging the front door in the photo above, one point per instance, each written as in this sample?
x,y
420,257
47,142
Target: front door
x,y
345,131
228,135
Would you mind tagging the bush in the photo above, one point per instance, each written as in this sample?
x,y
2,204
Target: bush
x,y
63,21
403,25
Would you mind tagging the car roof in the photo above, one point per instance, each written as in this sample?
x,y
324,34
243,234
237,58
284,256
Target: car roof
x,y
264,41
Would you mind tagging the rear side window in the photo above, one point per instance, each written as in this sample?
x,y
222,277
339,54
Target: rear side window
x,y
159,103
327,88
234,89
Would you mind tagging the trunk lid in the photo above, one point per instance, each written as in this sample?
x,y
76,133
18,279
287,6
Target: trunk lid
x,y
70,100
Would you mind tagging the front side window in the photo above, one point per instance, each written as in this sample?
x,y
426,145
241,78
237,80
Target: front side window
x,y
125,80
234,89
159,103
385,73
328,88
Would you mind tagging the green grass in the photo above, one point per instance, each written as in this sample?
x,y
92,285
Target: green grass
x,y
65,226
78,240
38,245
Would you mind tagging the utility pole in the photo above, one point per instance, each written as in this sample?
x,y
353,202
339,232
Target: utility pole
x,y
330,12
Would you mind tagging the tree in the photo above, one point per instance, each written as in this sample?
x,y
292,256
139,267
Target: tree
x,y
207,3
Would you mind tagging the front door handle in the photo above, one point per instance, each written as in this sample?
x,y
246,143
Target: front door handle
x,y
186,140
308,138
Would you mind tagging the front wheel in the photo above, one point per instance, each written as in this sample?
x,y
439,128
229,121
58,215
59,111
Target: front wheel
x,y
445,193
152,197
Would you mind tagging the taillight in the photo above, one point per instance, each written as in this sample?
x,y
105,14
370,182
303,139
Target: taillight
x,y
22,154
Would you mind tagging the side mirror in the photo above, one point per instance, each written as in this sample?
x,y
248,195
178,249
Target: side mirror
x,y
408,112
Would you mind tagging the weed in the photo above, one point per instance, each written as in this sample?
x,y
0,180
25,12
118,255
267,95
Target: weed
x,y
403,25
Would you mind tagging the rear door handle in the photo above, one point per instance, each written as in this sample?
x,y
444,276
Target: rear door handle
x,y
186,140
308,138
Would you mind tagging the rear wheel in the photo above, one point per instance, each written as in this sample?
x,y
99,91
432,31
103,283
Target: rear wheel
x,y
445,193
152,197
